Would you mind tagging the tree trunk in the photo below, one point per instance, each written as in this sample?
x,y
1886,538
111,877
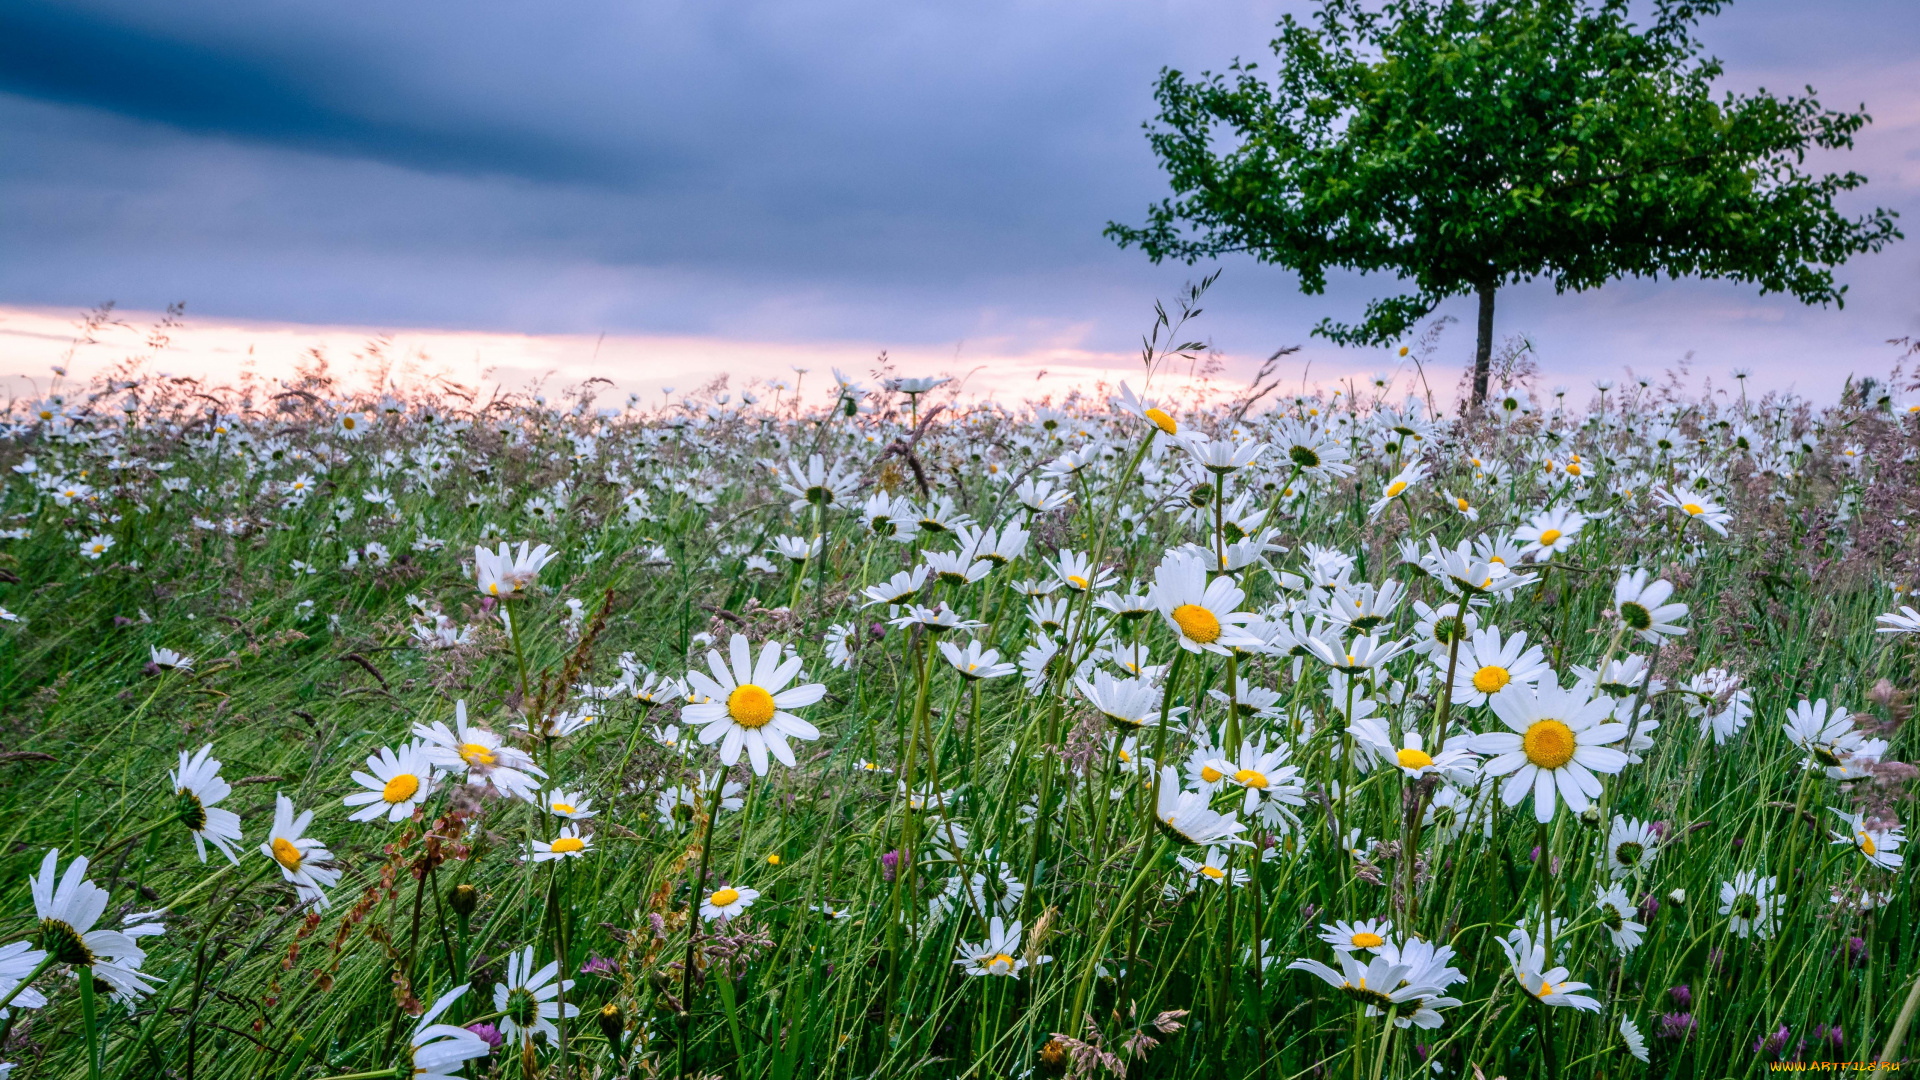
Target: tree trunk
x,y
1483,348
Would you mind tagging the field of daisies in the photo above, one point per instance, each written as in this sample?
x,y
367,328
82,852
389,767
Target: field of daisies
x,y
831,729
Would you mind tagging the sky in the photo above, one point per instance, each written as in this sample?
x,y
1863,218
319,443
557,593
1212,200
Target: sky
x,y
661,192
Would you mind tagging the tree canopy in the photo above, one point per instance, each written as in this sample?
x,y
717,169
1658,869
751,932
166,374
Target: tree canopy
x,y
1463,145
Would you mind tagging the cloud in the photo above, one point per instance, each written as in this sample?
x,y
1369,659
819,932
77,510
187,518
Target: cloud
x,y
922,176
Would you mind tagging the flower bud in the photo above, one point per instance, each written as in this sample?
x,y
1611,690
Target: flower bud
x,y
463,899
613,1023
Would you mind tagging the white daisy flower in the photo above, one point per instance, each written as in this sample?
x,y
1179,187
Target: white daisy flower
x,y
726,903
1631,847
1880,847
1630,1037
1616,915
1486,665
1370,935
1211,868
1644,609
1556,740
747,705
572,805
1750,904
1201,614
395,783
19,960
305,863
439,1050
1548,533
68,906
1185,816
1548,985
480,755
527,999
197,786
569,844
999,954
507,573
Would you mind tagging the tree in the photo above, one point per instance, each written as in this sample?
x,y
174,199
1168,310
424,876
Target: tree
x,y
1464,145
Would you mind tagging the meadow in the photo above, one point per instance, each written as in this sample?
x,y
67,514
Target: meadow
x,y
852,728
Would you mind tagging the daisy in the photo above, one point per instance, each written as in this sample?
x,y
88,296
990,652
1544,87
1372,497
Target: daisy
x,y
1201,615
999,954
1212,868
95,546
1881,847
1631,847
1630,1037
1749,903
439,1050
1695,507
1186,818
896,589
1616,914
1370,935
1549,986
19,961
1270,783
304,861
724,904
1643,608
1556,741
1428,966
395,783
168,660
1466,509
572,805
1455,763
1077,572
1310,450
973,662
569,844
1486,665
1128,704
1829,740
197,786
1380,984
480,755
817,485
505,574
1220,456
1904,621
1147,409
1401,483
68,905
1548,533
747,704
526,1000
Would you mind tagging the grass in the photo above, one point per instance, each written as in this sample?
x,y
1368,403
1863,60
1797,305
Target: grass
x,y
1129,961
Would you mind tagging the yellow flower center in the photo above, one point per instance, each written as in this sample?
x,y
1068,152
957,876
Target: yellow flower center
x,y
1867,845
1367,940
724,897
1410,758
1548,743
568,844
1162,421
1550,537
1574,468
1396,488
1462,503
474,753
1694,509
286,854
562,808
400,788
1210,774
1001,964
1076,581
750,706
1250,778
1214,872
1490,679
1197,623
